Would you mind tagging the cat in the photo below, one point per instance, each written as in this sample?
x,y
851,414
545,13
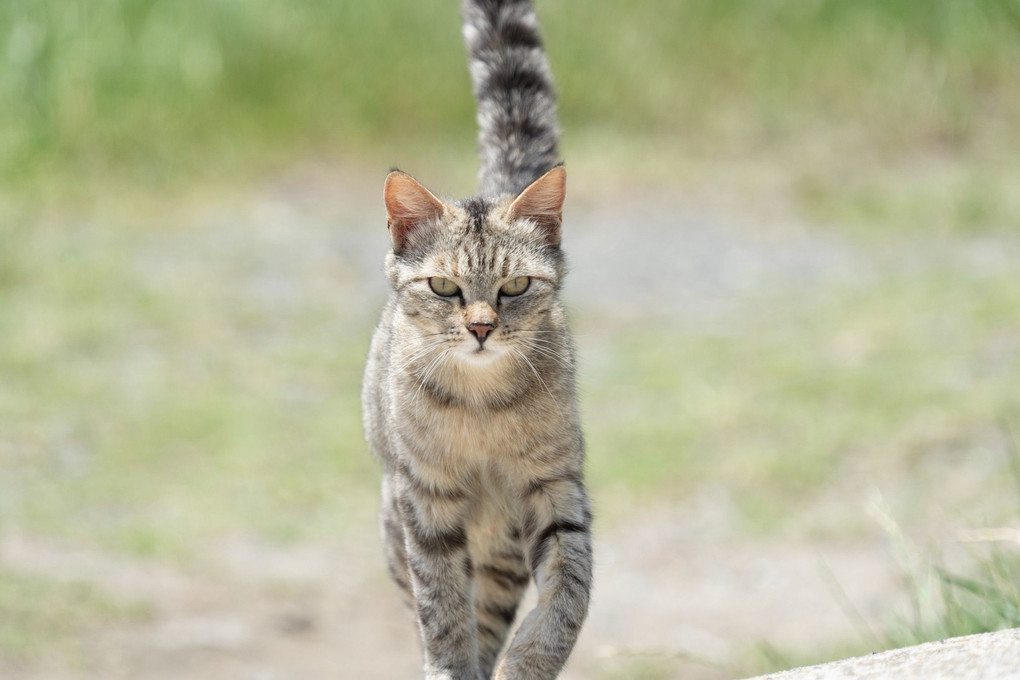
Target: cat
x,y
469,393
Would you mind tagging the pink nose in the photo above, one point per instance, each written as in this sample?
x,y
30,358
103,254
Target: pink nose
x,y
481,329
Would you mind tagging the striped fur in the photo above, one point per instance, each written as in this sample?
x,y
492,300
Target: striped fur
x,y
515,94
479,435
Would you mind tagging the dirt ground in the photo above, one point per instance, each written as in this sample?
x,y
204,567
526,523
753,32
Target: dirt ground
x,y
674,588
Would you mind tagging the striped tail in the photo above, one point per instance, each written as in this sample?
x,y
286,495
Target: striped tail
x,y
515,94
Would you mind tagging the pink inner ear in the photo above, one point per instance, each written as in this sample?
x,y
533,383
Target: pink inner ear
x,y
542,202
408,206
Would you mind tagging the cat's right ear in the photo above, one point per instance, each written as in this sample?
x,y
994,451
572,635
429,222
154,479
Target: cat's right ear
x,y
409,205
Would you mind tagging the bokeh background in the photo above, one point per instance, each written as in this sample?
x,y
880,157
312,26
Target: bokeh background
x,y
794,230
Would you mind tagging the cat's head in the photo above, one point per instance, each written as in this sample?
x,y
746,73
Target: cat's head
x,y
480,277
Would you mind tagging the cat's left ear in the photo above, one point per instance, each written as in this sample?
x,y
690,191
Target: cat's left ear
x,y
408,205
542,202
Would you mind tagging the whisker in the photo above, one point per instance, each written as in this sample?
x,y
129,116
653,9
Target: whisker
x,y
420,353
544,332
517,352
414,359
427,373
555,356
543,342
429,361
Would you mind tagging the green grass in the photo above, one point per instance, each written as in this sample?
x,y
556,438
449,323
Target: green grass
x,y
949,604
950,601
874,376
41,618
979,594
154,93
943,602
162,386
934,198
166,386
152,399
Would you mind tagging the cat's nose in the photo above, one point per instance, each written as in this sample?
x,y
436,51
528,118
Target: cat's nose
x,y
481,329
480,319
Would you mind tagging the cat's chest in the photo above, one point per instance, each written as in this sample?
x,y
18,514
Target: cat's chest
x,y
478,434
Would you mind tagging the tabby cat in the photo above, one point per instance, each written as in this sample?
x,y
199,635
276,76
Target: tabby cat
x,y
469,397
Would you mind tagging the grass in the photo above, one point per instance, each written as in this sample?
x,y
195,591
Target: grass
x,y
169,384
946,603
167,380
949,601
157,395
979,593
783,405
41,618
934,198
151,400
155,93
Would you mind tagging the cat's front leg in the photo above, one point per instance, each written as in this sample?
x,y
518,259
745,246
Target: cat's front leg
x,y
558,536
440,570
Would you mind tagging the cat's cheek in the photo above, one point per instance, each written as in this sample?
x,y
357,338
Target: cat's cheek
x,y
424,326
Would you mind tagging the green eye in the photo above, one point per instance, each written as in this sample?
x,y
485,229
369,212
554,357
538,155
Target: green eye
x,y
515,286
444,287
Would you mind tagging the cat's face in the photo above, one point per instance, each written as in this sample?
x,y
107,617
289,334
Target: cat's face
x,y
477,281
479,291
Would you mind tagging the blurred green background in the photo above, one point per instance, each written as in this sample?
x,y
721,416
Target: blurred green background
x,y
152,91
182,327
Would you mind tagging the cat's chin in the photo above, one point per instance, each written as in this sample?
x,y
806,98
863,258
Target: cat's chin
x,y
481,356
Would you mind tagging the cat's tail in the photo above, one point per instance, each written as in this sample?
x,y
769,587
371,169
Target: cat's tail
x,y
515,94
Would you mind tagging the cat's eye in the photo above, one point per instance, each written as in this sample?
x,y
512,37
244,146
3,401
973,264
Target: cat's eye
x,y
444,287
515,286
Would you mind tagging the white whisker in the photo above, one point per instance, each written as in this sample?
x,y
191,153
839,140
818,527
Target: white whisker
x,y
552,354
420,353
517,352
429,370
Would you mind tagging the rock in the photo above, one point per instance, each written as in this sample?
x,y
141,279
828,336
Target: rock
x,y
972,657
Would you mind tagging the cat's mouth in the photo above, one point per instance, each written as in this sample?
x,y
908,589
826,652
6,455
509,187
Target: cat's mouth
x,y
483,352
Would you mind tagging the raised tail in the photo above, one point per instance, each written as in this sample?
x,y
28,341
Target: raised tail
x,y
515,94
